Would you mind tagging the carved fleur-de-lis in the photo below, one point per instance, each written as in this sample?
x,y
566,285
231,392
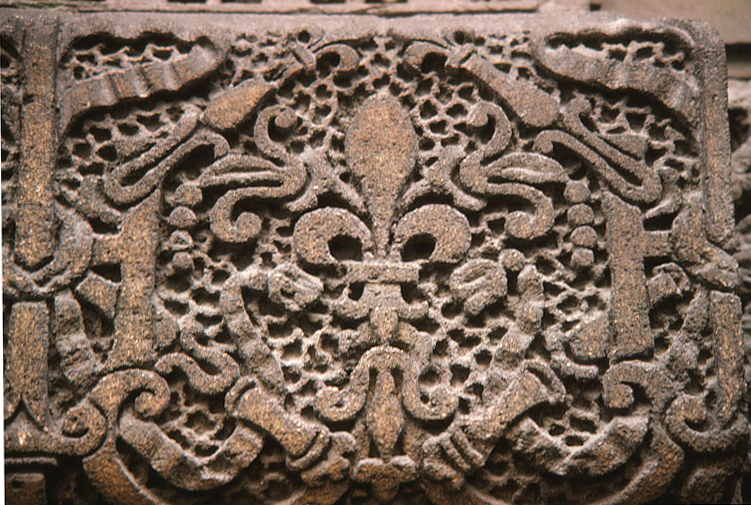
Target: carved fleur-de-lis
x,y
380,148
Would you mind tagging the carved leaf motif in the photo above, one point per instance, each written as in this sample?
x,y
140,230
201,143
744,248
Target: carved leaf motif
x,y
479,283
385,418
292,287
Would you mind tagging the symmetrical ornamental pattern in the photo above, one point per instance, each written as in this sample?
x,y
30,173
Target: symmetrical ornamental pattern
x,y
304,260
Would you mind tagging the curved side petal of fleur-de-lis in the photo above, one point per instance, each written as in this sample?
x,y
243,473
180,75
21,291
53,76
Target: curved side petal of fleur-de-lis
x,y
346,57
446,225
314,231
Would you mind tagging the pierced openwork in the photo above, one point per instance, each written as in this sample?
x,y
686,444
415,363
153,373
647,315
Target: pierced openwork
x,y
283,263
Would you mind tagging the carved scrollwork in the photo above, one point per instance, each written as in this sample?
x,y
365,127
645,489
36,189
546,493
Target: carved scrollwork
x,y
355,262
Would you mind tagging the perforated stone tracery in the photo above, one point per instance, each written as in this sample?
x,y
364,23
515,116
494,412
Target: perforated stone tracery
x,y
308,266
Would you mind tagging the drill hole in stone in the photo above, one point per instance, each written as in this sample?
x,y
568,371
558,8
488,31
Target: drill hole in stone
x,y
344,248
419,247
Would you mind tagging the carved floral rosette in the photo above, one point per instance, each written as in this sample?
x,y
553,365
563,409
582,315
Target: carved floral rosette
x,y
478,259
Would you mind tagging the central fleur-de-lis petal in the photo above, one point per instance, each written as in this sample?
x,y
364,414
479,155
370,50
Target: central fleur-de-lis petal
x,y
381,146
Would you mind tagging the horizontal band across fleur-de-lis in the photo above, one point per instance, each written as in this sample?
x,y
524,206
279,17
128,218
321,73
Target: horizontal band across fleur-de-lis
x,y
315,232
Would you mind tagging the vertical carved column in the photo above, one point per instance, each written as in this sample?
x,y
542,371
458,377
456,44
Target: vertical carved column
x,y
134,249
27,355
630,244
27,342
35,221
625,233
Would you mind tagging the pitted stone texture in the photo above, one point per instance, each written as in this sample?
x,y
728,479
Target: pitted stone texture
x,y
289,259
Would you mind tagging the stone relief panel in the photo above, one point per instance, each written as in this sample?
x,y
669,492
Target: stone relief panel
x,y
482,259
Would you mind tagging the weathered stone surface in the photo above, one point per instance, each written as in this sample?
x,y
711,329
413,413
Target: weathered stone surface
x,y
739,112
358,259
373,7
